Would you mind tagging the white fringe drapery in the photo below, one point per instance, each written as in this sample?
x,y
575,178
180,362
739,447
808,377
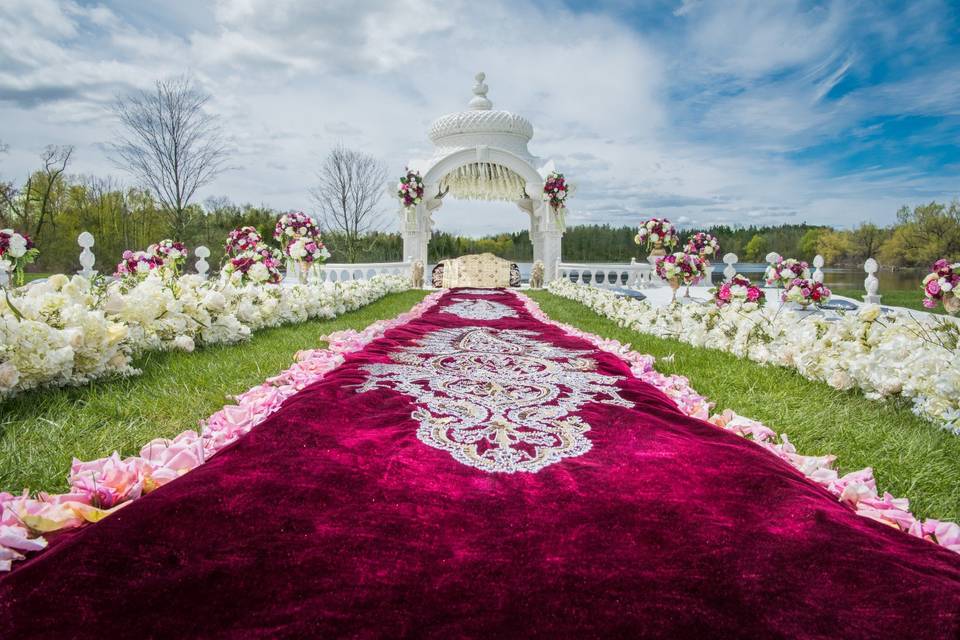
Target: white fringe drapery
x,y
484,181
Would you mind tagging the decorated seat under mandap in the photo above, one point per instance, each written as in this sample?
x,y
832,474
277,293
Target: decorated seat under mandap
x,y
482,271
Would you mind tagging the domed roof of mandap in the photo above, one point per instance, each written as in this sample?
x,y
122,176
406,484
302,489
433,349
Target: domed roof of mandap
x,y
489,175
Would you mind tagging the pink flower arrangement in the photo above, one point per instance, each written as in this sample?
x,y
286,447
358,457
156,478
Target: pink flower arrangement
x,y
738,289
804,292
16,251
655,232
136,265
299,238
170,253
704,245
242,239
259,264
940,284
686,268
785,271
556,190
410,189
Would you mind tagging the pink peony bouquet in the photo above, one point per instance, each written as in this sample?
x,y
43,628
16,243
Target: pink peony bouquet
x,y
686,268
16,251
655,232
704,245
136,265
556,190
170,254
738,289
940,284
242,239
784,271
410,189
259,264
804,292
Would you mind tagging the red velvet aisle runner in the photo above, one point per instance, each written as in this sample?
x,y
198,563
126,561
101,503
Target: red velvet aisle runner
x,y
479,473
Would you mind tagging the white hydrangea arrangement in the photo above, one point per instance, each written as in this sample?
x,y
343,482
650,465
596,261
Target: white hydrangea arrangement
x,y
68,331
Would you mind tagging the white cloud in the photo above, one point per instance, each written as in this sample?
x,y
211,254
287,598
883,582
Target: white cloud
x,y
642,125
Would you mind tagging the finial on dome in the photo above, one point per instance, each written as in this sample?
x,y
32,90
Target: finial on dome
x,y
480,101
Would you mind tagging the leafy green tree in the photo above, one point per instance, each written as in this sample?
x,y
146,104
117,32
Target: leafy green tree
x,y
756,249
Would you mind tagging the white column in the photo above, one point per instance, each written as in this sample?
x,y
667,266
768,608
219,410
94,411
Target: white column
x,y
416,233
551,241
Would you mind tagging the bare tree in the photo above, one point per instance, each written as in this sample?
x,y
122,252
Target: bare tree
x,y
348,196
171,144
33,203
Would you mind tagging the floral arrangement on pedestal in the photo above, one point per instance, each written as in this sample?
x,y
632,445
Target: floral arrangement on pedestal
x,y
556,190
657,234
136,265
242,239
704,245
258,264
784,271
16,251
410,189
299,238
940,285
739,289
170,253
681,268
803,292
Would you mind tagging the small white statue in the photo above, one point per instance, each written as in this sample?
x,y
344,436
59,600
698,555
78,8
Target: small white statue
x,y
416,274
536,275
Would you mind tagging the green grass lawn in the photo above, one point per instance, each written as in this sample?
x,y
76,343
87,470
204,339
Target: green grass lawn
x,y
41,431
911,458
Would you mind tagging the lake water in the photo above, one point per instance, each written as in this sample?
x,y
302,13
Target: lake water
x,y
834,278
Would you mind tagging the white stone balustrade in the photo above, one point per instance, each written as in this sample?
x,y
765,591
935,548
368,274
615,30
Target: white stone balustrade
x,y
87,258
203,267
635,274
342,272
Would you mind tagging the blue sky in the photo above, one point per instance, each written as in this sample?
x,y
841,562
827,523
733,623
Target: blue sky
x,y
705,112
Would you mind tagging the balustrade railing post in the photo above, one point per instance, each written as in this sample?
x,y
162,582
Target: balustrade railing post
x,y
729,271
202,265
817,268
87,259
871,284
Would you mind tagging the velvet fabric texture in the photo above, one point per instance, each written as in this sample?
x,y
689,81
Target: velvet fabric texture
x,y
333,519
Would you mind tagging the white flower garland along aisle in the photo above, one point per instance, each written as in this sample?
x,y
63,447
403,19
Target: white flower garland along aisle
x,y
882,355
556,190
72,331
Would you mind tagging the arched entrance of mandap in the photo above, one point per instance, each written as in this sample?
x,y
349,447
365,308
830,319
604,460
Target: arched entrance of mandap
x,y
481,154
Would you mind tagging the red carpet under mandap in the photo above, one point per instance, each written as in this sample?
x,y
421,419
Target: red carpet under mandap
x,y
479,472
